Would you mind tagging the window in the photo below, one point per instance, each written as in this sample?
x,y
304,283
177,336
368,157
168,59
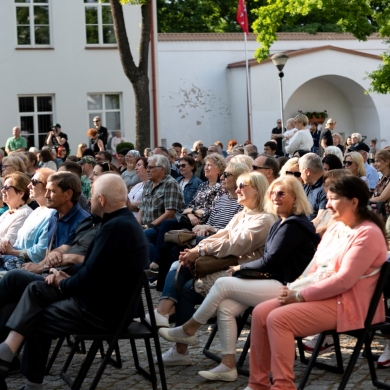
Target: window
x,y
33,22
99,26
35,118
107,106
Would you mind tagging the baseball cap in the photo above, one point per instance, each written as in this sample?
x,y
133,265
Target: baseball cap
x,y
360,146
57,125
87,159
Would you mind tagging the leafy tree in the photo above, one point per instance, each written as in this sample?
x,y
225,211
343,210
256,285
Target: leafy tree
x,y
380,78
138,75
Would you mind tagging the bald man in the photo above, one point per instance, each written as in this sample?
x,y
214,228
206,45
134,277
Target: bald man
x,y
16,143
94,298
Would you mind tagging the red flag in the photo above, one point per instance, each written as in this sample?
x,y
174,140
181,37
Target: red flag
x,y
242,16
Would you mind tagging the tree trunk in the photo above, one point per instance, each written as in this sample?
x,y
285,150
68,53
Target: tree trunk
x,y
138,75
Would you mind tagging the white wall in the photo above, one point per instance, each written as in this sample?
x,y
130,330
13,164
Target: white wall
x,y
69,70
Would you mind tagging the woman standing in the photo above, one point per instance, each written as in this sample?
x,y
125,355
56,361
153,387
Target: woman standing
x,y
135,194
355,163
32,239
15,194
302,139
290,246
80,150
382,189
95,143
352,251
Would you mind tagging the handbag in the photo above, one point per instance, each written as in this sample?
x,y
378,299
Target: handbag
x,y
181,237
181,218
206,265
252,274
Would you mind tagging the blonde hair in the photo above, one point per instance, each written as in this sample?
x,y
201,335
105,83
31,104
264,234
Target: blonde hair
x,y
237,169
79,152
330,121
291,163
383,155
334,150
16,161
302,118
259,182
243,159
196,146
338,136
295,188
358,159
218,160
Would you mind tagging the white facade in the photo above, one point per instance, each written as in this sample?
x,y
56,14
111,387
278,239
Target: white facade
x,y
202,98
68,69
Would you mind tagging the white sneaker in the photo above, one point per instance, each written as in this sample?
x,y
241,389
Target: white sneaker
x,y
165,334
326,346
174,358
227,376
162,321
384,359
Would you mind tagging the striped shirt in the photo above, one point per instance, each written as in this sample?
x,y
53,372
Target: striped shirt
x,y
224,210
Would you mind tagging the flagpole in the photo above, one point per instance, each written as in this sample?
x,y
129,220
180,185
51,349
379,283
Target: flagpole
x,y
248,93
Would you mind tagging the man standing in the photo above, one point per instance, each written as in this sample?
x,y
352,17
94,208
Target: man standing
x,y
62,304
312,172
326,136
56,137
278,131
16,143
316,137
102,131
161,198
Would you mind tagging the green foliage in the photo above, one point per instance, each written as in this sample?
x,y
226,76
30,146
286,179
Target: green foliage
x,y
380,78
121,145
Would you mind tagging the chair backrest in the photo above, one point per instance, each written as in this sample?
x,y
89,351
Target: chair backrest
x,y
383,277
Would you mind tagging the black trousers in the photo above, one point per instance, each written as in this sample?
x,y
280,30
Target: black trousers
x,y
42,314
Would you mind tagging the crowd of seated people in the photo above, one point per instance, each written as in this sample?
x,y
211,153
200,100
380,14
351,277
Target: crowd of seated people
x,y
275,214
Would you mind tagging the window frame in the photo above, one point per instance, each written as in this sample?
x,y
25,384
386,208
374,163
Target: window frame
x,y
99,5
32,24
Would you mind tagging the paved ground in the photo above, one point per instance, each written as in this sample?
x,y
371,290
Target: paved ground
x,y
187,378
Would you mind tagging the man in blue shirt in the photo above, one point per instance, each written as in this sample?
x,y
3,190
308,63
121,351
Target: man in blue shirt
x,y
312,173
63,190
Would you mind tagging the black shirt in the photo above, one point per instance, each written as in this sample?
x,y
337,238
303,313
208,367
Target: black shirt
x,y
327,136
276,130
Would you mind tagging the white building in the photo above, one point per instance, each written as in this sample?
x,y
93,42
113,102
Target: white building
x,y
59,64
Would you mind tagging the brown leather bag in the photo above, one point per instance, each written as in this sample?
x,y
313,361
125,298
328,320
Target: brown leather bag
x,y
206,265
181,237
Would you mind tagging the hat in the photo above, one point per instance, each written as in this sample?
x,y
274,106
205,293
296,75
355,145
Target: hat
x,y
57,125
87,159
134,153
360,146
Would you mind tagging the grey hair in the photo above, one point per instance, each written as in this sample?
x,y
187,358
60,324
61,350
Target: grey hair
x,y
161,161
311,161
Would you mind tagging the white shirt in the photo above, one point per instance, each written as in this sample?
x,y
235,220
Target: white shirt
x,y
301,140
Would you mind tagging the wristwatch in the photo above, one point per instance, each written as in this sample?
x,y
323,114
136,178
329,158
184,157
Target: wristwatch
x,y
201,251
21,255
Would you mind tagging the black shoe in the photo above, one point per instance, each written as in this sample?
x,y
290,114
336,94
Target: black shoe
x,y
15,366
3,384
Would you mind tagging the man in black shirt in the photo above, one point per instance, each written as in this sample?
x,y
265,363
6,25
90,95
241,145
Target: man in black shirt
x,y
278,130
55,137
102,131
326,136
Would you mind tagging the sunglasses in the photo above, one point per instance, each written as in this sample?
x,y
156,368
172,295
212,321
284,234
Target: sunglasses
x,y
255,167
226,174
34,182
348,163
278,194
182,165
296,174
7,187
241,186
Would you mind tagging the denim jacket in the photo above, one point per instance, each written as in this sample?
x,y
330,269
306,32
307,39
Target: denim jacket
x,y
190,188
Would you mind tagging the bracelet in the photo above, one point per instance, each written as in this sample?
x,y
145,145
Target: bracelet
x,y
299,297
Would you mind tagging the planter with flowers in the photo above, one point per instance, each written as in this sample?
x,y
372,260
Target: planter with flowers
x,y
315,116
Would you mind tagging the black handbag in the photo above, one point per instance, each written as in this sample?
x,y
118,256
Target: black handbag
x,y
251,274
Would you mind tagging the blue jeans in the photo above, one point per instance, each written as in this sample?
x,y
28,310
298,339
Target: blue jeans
x,y
186,297
151,236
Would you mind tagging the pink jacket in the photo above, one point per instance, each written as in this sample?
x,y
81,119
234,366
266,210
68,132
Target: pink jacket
x,y
365,252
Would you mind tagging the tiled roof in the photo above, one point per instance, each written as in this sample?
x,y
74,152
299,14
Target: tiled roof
x,y
172,37
295,53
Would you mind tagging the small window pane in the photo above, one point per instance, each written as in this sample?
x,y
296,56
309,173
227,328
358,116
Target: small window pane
x,y
23,15
91,15
92,35
107,15
95,102
91,1
108,34
42,35
41,140
44,123
26,104
27,124
22,1
24,36
113,121
44,103
41,1
112,102
41,15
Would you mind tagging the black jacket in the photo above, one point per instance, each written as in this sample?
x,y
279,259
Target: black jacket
x,y
289,248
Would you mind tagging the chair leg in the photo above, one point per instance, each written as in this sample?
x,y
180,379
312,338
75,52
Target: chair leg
x,y
339,358
206,349
243,355
152,370
54,355
160,362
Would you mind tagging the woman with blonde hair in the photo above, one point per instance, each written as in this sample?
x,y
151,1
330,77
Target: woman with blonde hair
x,y
13,163
355,163
382,189
302,139
291,167
338,141
80,150
289,248
243,159
197,144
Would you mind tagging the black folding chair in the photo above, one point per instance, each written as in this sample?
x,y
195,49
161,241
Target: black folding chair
x,y
364,337
241,322
134,331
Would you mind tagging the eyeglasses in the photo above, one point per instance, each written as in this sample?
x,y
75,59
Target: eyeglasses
x,y
7,187
226,174
279,123
278,194
6,166
241,186
183,165
150,167
96,121
348,163
34,182
255,167
296,174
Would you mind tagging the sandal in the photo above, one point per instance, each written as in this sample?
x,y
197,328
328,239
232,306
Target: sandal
x,y
154,269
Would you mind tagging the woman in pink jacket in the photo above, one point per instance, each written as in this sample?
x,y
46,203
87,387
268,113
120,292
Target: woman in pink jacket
x,y
343,281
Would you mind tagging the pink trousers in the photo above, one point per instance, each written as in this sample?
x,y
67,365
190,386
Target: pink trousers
x,y
272,338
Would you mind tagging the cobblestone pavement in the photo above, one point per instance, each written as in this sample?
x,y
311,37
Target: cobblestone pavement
x,y
185,377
